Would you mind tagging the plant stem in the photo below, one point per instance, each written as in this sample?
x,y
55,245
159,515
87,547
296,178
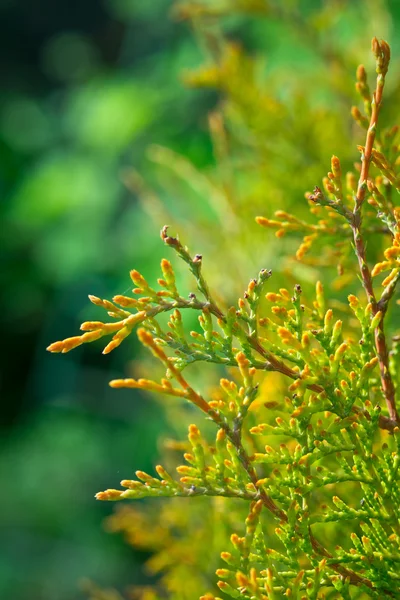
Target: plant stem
x,y
359,244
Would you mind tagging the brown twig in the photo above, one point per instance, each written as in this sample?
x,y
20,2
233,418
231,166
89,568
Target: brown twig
x,y
382,53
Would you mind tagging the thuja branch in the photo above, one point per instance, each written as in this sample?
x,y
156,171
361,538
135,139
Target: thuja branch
x,y
381,51
324,432
190,394
272,362
234,435
195,265
267,501
240,324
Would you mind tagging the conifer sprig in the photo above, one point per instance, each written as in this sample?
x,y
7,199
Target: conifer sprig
x,y
381,52
321,453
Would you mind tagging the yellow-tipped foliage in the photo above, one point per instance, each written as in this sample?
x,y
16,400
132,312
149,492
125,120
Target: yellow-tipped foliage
x,y
298,459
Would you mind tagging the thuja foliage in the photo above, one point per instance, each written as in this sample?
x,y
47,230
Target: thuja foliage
x,y
315,469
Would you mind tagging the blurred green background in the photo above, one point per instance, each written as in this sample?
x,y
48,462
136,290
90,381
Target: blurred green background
x,y
88,90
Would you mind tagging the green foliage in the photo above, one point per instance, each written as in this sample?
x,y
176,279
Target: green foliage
x,y
307,430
